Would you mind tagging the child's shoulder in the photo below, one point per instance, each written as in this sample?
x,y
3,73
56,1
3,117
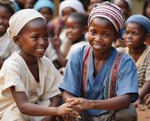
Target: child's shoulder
x,y
45,61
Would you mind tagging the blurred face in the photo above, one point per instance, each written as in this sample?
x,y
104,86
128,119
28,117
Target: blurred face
x,y
74,30
124,7
47,13
101,35
92,2
65,13
4,19
134,36
29,3
148,11
33,39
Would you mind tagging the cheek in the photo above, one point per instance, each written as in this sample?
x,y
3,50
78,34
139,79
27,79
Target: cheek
x,y
90,38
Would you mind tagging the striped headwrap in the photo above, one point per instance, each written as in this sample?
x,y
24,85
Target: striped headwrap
x,y
109,11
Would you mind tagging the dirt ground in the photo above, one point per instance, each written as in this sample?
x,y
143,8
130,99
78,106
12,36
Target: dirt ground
x,y
143,115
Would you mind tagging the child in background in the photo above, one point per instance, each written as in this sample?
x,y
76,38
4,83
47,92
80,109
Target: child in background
x,y
29,3
66,8
146,8
89,77
7,46
125,6
92,3
76,28
28,80
46,8
146,12
137,29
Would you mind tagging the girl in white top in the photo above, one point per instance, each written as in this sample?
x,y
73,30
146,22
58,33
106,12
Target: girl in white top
x,y
28,80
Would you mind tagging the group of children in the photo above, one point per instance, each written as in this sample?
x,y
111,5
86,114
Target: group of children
x,y
100,83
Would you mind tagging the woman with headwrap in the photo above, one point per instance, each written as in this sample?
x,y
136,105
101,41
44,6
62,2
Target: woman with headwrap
x,y
99,78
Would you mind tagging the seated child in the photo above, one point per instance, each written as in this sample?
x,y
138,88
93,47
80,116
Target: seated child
x,y
137,29
28,80
102,81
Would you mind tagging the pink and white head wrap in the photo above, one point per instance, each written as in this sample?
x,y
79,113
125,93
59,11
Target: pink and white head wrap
x,y
75,4
109,11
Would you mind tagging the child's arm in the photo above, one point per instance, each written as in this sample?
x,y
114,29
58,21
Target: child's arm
x,y
147,100
145,89
31,109
114,103
55,101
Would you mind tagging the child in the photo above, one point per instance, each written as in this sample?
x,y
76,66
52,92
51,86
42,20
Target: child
x,y
7,46
91,78
28,81
46,8
92,3
146,8
66,7
125,6
137,29
146,12
76,27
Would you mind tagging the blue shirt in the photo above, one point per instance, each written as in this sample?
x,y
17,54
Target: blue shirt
x,y
98,87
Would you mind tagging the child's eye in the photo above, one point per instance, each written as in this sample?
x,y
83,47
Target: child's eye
x,y
35,37
46,37
93,32
106,35
135,33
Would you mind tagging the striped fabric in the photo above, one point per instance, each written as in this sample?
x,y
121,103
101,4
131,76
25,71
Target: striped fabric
x,y
110,12
144,67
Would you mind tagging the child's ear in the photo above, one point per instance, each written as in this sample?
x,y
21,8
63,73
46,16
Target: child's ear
x,y
16,40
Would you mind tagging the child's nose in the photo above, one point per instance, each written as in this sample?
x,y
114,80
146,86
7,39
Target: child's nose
x,y
42,41
98,38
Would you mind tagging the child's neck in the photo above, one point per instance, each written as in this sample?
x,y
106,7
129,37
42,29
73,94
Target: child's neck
x,y
136,53
28,59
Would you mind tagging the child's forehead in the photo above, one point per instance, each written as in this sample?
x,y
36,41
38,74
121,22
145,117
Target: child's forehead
x,y
36,21
134,25
20,19
100,21
140,20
